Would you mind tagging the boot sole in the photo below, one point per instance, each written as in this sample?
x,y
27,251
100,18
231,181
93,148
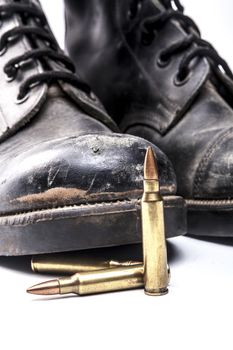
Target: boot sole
x,y
210,217
83,227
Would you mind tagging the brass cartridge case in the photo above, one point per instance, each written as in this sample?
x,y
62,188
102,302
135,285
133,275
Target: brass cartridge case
x,y
114,279
68,264
156,274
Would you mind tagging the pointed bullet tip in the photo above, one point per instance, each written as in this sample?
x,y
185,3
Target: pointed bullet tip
x,y
45,288
150,165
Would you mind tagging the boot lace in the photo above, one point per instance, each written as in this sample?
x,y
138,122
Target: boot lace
x,y
52,51
175,11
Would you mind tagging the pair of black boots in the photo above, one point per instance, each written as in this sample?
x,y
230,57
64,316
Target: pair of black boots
x,y
71,175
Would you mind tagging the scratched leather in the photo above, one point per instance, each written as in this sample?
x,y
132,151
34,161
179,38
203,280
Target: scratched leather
x,y
59,147
71,158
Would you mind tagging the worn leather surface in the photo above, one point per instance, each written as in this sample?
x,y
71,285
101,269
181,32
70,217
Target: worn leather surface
x,y
192,123
59,147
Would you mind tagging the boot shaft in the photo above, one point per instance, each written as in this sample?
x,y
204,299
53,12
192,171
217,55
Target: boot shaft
x,y
124,68
161,81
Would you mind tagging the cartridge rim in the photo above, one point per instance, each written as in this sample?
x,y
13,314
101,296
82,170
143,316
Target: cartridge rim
x,y
158,292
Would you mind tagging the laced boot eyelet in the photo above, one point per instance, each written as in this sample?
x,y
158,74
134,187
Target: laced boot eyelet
x,y
147,37
134,9
163,61
39,21
92,96
181,78
19,100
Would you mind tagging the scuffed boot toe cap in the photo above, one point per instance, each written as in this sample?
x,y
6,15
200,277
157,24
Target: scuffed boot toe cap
x,y
214,176
79,170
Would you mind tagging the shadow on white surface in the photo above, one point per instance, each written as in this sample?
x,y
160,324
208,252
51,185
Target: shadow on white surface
x,y
21,264
131,252
226,241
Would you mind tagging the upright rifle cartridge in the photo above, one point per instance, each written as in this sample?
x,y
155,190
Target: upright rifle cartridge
x,y
156,274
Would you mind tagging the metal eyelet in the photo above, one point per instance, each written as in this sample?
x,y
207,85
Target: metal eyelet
x,y
92,96
147,38
180,82
132,13
162,63
19,101
38,21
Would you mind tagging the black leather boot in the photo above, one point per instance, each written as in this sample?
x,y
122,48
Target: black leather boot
x,y
68,179
159,80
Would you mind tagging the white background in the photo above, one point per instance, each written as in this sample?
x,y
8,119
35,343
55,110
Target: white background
x,y
197,312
